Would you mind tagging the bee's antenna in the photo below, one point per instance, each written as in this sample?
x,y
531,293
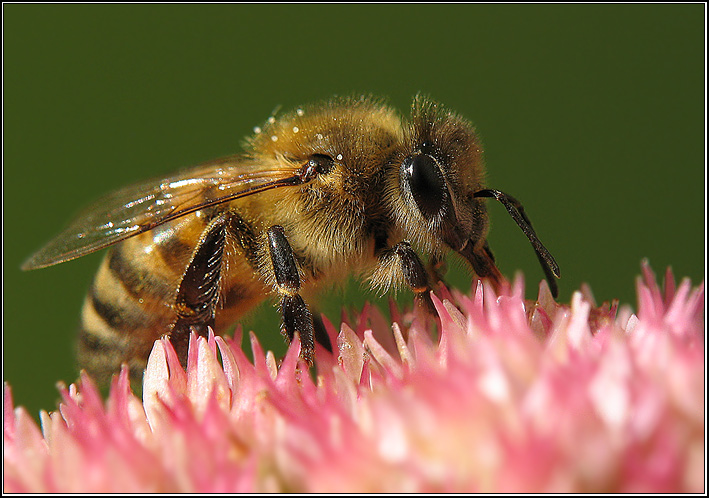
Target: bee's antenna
x,y
514,207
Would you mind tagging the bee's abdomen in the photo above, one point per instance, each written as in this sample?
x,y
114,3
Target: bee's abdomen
x,y
129,304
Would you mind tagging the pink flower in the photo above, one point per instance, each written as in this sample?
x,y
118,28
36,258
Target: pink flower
x,y
514,396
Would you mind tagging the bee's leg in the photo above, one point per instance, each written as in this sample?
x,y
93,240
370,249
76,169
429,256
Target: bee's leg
x,y
414,273
295,313
437,268
199,290
320,331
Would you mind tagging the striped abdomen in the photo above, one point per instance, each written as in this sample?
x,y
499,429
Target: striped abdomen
x,y
131,302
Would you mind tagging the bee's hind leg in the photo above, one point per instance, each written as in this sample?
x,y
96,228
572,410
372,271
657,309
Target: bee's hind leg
x,y
199,289
295,313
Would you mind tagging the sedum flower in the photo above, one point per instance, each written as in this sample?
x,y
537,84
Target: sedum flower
x,y
512,396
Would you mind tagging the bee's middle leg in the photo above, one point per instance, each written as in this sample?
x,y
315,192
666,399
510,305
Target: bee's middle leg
x,y
295,313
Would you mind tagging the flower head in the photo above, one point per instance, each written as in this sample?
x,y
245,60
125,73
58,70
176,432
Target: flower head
x,y
512,396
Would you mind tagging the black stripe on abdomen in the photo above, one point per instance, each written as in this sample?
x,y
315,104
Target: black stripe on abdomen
x,y
127,317
138,281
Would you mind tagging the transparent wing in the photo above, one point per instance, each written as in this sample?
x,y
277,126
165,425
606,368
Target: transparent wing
x,y
143,206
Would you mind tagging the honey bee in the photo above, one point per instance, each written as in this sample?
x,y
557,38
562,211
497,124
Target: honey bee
x,y
343,187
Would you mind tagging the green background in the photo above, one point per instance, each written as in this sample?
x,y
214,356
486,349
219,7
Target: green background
x,y
592,115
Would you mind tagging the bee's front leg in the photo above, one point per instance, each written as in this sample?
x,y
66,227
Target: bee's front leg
x,y
295,313
437,268
199,289
403,258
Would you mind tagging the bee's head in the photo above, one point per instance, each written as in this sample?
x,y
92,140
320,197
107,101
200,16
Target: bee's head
x,y
440,168
440,183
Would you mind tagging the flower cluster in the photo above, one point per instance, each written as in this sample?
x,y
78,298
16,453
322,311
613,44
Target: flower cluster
x,y
510,396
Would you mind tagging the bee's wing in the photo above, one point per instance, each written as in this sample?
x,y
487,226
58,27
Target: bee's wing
x,y
144,206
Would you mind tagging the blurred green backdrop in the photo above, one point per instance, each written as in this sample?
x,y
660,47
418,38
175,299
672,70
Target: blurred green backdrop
x,y
592,115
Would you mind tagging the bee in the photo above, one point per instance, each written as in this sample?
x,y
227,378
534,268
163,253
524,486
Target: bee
x,y
347,186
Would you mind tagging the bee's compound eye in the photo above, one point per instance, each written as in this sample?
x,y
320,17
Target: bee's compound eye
x,y
425,181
